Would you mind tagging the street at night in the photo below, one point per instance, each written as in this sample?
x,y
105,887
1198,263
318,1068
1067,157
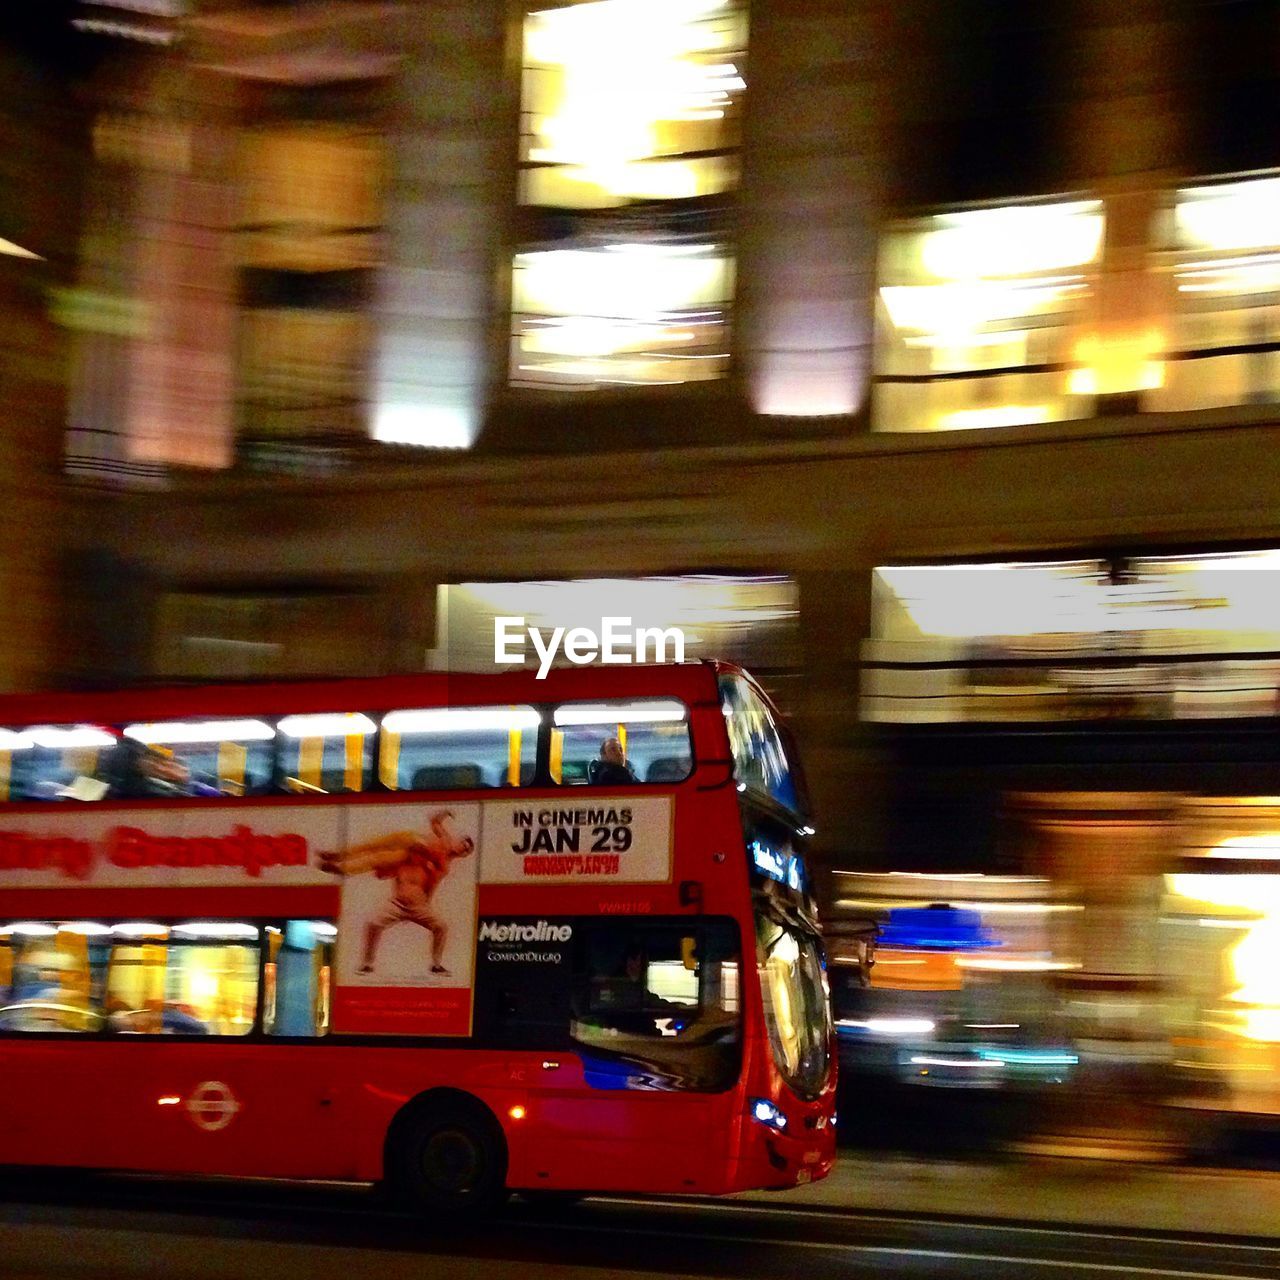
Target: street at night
x,y
96,1229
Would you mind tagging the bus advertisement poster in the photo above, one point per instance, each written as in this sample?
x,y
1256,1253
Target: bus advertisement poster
x,y
619,839
406,926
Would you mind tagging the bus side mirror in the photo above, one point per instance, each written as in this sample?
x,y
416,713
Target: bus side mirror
x,y
689,952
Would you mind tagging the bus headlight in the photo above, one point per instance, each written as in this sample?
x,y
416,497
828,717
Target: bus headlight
x,y
764,1111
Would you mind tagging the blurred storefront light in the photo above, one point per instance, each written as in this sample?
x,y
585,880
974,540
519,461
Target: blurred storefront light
x,y
1199,636
1253,898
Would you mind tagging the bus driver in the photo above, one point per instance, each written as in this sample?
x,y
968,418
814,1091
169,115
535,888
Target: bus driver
x,y
415,865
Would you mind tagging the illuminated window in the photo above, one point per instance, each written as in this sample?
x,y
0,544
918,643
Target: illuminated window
x,y
1168,637
444,748
58,762
977,317
133,977
211,979
1221,249
195,758
631,100
627,313
612,744
47,978
298,978
321,754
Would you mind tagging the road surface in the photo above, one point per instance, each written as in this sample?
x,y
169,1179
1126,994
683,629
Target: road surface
x,y
80,1227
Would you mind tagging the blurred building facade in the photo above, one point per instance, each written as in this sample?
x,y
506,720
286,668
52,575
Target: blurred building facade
x,y
924,355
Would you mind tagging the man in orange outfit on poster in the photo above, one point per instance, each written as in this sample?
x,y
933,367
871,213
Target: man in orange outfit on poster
x,y
415,864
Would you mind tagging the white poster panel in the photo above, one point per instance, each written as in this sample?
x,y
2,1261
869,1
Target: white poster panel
x,y
72,845
604,840
408,896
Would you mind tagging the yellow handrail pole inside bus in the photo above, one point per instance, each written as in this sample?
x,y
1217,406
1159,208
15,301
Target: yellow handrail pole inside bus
x,y
556,763
353,774
322,998
232,761
310,761
513,757
389,760
270,973
75,981
622,738
6,772
155,959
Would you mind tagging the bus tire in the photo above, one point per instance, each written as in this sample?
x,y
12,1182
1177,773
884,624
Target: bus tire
x,y
449,1155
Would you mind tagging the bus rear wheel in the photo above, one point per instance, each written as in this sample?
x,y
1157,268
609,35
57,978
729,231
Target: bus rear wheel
x,y
451,1158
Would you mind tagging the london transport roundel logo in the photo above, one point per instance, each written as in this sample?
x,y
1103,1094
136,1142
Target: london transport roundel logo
x,y
212,1106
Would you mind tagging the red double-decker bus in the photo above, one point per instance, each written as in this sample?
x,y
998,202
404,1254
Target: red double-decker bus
x,y
456,934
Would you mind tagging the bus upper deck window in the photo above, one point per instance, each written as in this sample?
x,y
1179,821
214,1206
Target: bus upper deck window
x,y
58,762
454,748
194,758
323,754
611,744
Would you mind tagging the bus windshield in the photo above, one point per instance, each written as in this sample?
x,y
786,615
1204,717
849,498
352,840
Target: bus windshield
x,y
760,761
795,1003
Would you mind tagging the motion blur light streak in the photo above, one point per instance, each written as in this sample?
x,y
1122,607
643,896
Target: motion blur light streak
x,y
891,1026
12,250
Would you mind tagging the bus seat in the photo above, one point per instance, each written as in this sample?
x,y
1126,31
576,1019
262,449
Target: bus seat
x,y
668,769
447,777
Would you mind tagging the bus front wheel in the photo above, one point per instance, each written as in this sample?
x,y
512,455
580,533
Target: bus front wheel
x,y
452,1157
